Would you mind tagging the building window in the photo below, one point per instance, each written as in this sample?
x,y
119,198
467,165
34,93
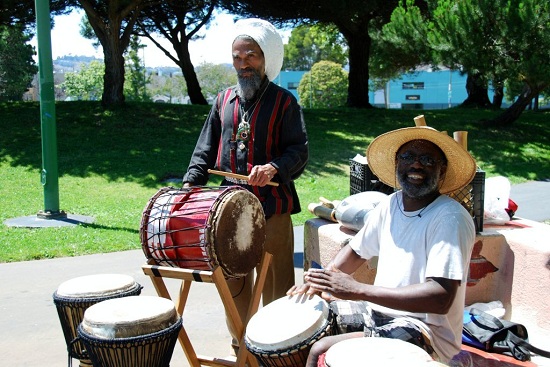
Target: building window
x,y
413,85
293,85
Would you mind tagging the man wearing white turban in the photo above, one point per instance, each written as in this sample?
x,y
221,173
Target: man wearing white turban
x,y
256,129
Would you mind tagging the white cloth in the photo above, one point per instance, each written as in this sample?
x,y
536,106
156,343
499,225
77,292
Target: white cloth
x,y
269,40
411,249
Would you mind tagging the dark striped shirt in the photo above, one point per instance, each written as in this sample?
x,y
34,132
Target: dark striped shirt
x,y
277,136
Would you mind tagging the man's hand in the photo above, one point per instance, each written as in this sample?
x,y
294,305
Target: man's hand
x,y
333,284
261,175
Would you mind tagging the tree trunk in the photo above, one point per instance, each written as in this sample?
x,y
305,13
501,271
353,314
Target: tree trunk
x,y
359,45
477,92
113,80
184,61
107,19
513,112
498,97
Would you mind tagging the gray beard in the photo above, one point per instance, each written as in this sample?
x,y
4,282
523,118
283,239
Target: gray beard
x,y
247,87
418,192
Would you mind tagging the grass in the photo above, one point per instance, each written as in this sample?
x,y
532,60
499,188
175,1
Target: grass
x,y
111,163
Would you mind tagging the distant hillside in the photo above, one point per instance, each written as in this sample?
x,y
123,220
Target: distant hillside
x,y
72,63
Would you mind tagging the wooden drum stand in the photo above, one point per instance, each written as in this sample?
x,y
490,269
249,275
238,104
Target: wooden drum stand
x,y
157,273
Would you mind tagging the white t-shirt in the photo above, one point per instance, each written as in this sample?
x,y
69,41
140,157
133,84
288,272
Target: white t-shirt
x,y
411,249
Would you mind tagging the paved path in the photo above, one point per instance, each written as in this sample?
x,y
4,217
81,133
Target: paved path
x,y
30,331
533,199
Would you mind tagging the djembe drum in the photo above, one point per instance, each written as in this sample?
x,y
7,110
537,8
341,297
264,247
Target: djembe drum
x,y
139,331
377,352
282,332
74,296
200,228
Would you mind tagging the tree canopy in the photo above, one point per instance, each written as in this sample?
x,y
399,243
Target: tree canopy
x,y
308,45
215,78
325,86
135,84
353,18
22,12
17,67
492,40
86,84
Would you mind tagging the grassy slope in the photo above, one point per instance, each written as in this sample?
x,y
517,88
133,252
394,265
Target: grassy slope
x,y
111,163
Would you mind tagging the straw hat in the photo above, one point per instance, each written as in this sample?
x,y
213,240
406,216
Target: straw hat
x,y
269,40
381,155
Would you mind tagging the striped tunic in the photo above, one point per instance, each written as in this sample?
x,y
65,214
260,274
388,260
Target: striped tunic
x,y
277,136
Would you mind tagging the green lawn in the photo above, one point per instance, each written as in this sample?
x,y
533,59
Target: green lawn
x,y
111,163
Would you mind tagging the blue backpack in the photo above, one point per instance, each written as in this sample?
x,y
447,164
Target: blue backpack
x,y
491,334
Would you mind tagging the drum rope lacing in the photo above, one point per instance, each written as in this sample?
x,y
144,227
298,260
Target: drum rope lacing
x,y
155,227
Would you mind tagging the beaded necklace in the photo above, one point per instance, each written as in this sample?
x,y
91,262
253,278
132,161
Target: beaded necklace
x,y
243,130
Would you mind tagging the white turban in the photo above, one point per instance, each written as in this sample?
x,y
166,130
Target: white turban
x,y
269,40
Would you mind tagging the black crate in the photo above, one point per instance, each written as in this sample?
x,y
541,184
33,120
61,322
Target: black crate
x,y
472,198
362,179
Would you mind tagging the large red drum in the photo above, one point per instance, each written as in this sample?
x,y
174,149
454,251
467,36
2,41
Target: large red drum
x,y
204,227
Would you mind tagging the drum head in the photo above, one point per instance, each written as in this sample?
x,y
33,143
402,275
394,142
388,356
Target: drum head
x,y
378,352
98,285
238,232
129,317
287,322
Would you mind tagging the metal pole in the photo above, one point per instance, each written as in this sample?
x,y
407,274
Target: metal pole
x,y
49,174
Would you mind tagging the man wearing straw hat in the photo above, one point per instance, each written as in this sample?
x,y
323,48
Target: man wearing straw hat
x,y
423,240
256,129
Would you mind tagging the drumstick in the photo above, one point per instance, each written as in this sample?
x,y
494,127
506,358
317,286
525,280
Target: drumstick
x,y
237,176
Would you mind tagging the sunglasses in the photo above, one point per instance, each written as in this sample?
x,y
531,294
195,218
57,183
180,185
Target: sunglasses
x,y
425,160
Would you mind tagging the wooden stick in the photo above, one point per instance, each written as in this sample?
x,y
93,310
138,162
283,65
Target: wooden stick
x,y
420,120
461,137
237,176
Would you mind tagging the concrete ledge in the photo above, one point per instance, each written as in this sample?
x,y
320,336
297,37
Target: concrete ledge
x,y
322,241
510,263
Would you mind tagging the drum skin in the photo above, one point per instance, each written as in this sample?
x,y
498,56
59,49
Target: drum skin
x,y
379,352
74,296
202,227
282,332
139,331
129,317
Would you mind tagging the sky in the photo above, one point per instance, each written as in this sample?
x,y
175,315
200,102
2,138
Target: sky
x,y
213,48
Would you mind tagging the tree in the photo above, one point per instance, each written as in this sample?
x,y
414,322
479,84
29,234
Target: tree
x,y
179,22
86,84
172,86
113,22
215,78
324,86
135,86
22,12
354,19
497,41
17,67
308,45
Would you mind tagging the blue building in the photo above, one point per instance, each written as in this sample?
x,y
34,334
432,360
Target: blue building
x,y
290,80
426,89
